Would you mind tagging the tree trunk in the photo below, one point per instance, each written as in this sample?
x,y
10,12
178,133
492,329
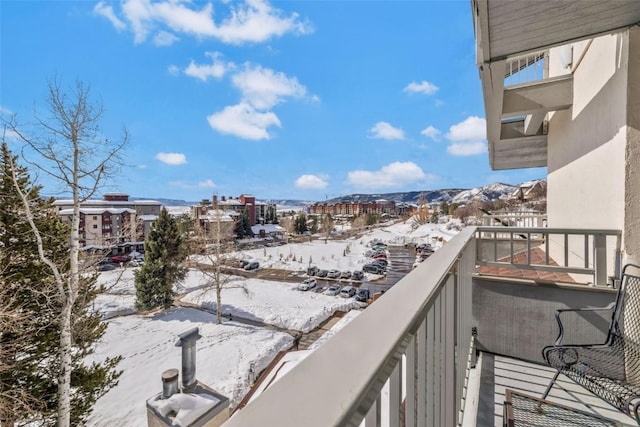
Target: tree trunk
x,y
64,378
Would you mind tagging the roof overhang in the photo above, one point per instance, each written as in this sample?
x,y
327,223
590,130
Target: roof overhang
x,y
508,29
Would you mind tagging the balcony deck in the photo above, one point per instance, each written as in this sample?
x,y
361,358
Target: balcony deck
x,y
498,373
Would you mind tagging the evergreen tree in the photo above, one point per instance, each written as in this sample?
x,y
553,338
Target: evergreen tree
x,y
243,227
163,253
31,305
300,224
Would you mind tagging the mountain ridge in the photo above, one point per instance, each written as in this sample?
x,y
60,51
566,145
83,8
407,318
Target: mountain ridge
x,y
489,192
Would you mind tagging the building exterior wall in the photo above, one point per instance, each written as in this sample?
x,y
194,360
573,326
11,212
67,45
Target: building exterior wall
x,y
631,232
587,163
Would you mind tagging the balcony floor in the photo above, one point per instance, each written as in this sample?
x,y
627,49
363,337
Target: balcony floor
x,y
498,373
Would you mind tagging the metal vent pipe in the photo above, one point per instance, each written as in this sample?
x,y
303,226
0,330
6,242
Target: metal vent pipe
x,y
188,343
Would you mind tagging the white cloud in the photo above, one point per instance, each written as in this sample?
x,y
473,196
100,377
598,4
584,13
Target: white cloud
x,y
217,69
431,132
263,88
383,130
141,166
4,110
172,159
467,148
392,175
107,11
164,38
472,128
468,137
254,21
207,183
423,87
311,182
243,121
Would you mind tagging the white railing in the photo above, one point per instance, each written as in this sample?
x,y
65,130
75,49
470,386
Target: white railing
x,y
526,69
594,253
411,348
515,219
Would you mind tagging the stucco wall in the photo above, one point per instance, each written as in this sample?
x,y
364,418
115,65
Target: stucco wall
x,y
631,232
586,144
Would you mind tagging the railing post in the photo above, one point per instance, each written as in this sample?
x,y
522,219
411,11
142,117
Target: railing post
x,y
600,259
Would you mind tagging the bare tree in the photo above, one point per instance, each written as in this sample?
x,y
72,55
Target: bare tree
x,y
214,242
422,215
72,151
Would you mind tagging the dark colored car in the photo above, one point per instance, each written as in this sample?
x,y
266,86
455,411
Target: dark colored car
x,y
362,295
106,267
312,271
252,266
322,273
357,275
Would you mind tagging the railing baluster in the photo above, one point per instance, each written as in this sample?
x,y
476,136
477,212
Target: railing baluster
x,y
600,259
373,416
434,341
546,248
448,324
586,251
422,393
566,250
395,396
410,379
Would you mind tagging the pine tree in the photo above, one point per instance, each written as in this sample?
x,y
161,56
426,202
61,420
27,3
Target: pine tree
x,y
164,253
30,306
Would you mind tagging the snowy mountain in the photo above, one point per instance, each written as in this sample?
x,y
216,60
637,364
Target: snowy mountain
x,y
496,191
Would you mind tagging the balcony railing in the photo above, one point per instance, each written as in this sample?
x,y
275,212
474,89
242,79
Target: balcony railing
x,y
515,219
403,361
526,69
591,253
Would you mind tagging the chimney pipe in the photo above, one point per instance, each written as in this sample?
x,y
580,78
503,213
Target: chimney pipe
x,y
188,343
169,383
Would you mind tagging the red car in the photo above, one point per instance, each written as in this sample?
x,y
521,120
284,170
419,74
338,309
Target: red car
x,y
119,258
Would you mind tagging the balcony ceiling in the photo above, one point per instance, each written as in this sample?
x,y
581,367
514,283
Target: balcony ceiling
x,y
506,29
516,27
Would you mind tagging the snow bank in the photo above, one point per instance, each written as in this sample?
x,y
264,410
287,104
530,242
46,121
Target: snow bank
x,y
274,303
147,346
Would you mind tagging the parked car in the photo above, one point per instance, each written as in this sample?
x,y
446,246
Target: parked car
x,y
307,284
379,256
322,273
106,267
333,290
136,262
312,271
372,268
345,275
243,263
357,275
362,295
252,266
333,274
119,258
348,292
381,262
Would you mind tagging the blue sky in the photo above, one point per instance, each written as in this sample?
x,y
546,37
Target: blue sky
x,y
285,99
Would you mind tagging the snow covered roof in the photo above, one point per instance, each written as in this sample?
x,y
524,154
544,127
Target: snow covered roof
x,y
66,202
148,217
98,211
268,228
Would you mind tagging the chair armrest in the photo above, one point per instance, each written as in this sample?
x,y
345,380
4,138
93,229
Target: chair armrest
x,y
584,309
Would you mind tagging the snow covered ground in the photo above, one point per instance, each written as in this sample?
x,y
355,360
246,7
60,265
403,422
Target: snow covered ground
x,y
225,352
147,346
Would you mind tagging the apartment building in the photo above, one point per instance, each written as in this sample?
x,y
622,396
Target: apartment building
x,y
259,212
112,220
352,209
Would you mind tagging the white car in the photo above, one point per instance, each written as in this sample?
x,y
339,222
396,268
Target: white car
x,y
307,284
333,290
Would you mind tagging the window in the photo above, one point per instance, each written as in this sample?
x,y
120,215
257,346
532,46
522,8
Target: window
x,y
95,217
95,225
